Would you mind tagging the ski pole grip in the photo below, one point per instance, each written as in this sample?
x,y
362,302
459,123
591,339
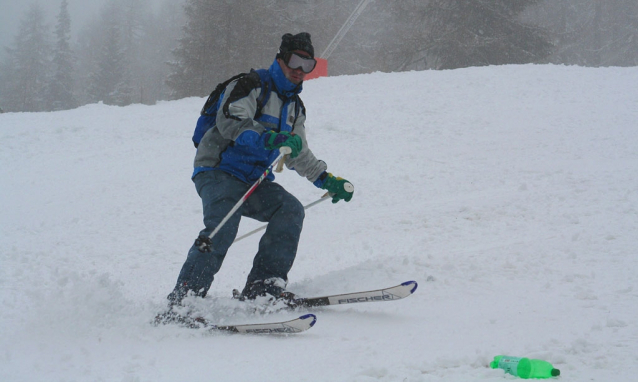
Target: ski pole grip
x,y
348,187
285,150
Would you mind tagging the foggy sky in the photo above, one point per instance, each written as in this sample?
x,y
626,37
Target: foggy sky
x,y
12,12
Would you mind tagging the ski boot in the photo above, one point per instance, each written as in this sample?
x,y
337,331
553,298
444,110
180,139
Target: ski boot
x,y
273,290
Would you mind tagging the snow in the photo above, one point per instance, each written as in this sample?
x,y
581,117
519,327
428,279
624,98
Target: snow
x,y
509,193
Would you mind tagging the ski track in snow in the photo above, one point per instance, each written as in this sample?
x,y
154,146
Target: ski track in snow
x,y
509,193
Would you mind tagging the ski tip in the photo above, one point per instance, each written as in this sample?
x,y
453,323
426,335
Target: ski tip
x,y
414,283
309,316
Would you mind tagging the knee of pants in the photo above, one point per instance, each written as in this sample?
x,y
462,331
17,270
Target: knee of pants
x,y
293,209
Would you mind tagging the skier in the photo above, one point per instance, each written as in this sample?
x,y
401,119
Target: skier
x,y
234,154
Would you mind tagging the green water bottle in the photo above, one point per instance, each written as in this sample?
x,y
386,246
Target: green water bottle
x,y
524,367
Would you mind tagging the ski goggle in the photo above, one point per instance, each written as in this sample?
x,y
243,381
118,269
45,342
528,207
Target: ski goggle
x,y
295,61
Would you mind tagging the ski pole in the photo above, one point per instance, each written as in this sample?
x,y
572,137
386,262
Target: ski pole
x,y
280,165
204,242
348,187
324,197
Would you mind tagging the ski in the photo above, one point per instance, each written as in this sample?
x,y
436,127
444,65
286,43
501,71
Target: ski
x,y
296,325
388,294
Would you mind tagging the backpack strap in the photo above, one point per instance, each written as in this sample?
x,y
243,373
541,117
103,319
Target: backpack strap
x,y
262,99
210,107
299,107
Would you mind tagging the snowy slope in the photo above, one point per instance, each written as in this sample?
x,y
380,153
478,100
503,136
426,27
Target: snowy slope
x,y
509,193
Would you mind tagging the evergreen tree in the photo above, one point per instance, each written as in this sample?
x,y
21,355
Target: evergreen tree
x,y
591,32
121,57
25,68
160,38
196,53
222,38
366,47
631,46
447,34
60,91
134,28
7,76
108,81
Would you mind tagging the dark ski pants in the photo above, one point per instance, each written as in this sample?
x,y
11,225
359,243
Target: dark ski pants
x,y
268,203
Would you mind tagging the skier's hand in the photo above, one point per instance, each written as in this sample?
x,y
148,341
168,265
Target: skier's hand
x,y
339,188
274,140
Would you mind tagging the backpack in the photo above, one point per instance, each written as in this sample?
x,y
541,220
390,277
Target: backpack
x,y
208,115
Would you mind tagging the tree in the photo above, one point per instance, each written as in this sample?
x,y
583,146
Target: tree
x,y
367,47
631,47
448,34
197,50
612,37
222,38
323,19
109,80
26,68
135,26
157,43
591,32
60,93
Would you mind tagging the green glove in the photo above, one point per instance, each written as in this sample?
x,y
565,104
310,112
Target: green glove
x,y
274,140
339,188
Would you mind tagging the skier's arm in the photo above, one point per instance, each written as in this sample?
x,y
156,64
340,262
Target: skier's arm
x,y
305,164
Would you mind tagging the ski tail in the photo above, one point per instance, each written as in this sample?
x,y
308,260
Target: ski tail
x,y
296,325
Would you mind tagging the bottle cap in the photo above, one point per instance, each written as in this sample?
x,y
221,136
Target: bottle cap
x,y
555,372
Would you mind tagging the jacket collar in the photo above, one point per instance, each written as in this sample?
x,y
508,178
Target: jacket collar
x,y
283,86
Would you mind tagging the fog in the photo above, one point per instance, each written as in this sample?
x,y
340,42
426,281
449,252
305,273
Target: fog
x,y
81,11
136,51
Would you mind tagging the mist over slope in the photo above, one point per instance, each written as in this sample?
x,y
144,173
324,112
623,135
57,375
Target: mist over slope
x,y
509,193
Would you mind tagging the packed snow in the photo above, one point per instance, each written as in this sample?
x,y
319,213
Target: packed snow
x,y
510,194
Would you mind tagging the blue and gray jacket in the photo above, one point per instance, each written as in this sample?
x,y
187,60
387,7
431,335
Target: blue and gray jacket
x,y
236,144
